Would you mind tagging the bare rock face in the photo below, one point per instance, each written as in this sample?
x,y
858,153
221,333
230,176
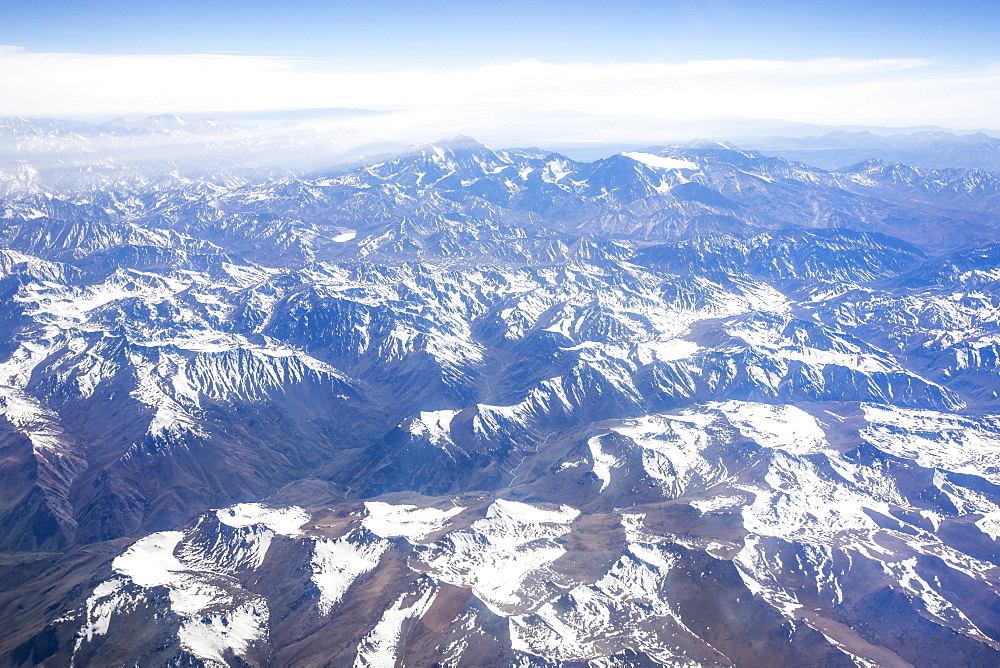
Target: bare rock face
x,y
465,406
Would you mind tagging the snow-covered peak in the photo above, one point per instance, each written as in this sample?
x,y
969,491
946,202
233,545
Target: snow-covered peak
x,y
660,161
284,521
406,521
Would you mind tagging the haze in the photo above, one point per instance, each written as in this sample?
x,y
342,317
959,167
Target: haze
x,y
513,72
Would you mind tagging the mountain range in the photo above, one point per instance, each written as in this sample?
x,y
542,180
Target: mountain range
x,y
934,149
455,405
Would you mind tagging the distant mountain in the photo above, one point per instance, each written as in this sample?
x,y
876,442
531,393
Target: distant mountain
x,y
199,148
457,405
932,149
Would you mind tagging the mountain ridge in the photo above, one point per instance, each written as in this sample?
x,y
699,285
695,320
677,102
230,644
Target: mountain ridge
x,y
485,406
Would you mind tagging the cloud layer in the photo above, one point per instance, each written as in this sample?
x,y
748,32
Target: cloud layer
x,y
610,98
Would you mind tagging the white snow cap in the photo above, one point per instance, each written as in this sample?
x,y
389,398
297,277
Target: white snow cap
x,y
660,161
283,521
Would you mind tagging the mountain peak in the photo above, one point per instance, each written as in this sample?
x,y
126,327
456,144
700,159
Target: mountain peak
x,y
711,144
459,142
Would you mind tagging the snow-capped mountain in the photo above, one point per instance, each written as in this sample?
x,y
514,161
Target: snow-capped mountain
x,y
466,406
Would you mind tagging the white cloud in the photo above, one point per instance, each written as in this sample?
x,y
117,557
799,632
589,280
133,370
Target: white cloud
x,y
604,97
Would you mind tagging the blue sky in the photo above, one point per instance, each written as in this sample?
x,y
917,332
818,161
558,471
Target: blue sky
x,y
434,33
617,64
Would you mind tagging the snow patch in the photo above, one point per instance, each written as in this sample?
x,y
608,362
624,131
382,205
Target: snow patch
x,y
716,503
937,440
661,162
235,630
671,448
406,521
150,562
380,647
602,461
435,426
338,562
781,427
503,557
283,521
107,599
666,351
217,617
